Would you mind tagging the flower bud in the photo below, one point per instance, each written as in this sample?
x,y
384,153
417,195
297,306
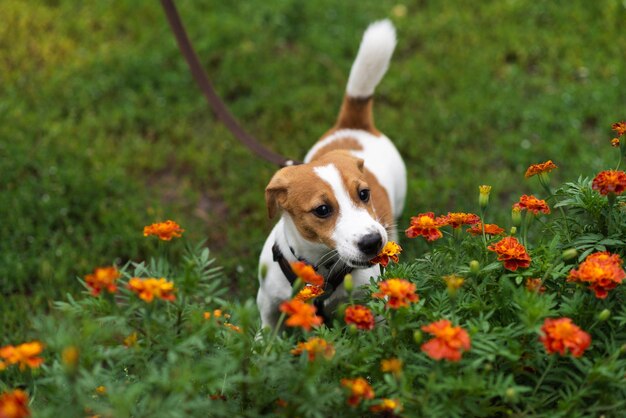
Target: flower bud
x,y
516,215
604,315
417,336
513,231
70,356
511,395
483,197
569,254
353,329
348,284
474,266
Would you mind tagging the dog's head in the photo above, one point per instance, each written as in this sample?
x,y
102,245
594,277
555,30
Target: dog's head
x,y
329,203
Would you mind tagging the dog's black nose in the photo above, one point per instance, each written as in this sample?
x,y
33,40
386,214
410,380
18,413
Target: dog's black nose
x,y
371,244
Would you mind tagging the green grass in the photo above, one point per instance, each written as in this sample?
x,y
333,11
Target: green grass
x,y
102,130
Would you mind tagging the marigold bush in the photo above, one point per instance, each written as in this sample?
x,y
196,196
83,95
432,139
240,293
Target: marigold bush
x,y
523,319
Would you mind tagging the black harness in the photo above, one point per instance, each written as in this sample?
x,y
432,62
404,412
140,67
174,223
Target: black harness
x,y
331,283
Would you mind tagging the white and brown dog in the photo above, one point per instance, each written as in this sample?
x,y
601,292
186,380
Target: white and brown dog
x,y
339,207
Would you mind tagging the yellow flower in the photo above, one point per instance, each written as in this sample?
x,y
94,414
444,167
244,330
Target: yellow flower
x,y
148,289
392,365
131,340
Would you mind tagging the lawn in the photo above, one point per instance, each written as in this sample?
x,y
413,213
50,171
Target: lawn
x,y
102,130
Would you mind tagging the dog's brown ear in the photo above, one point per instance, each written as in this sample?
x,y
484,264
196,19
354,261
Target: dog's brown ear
x,y
276,192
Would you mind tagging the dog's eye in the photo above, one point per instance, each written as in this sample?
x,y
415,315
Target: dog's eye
x,y
322,211
364,195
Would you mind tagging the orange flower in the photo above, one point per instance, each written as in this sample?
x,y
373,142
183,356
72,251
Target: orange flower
x,y
315,347
392,365
400,292
164,230
102,278
426,225
511,252
535,169
389,252
307,273
562,334
619,128
232,327
360,316
300,314
359,389
148,289
14,404
448,343
24,354
490,229
615,142
456,219
533,204
131,340
602,270
534,285
308,292
387,407
609,181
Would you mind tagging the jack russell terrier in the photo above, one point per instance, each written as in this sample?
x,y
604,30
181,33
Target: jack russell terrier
x,y
339,207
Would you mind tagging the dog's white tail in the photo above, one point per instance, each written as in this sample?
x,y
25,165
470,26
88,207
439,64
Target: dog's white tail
x,y
372,60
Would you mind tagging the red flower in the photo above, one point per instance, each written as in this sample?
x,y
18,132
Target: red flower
x,y
511,252
456,219
426,225
534,285
449,341
400,293
619,128
387,407
533,204
14,404
359,389
602,270
490,229
360,316
164,230
389,253
609,181
300,314
307,273
562,334
540,168
102,278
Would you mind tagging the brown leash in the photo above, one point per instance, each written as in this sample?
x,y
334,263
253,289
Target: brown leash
x,y
212,97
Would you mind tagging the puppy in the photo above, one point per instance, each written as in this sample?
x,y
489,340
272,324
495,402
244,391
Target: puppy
x,y
339,207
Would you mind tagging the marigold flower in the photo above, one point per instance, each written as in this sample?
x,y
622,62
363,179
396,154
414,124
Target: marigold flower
x,y
453,282
399,292
535,169
101,390
360,316
456,219
483,196
392,365
602,270
562,334
164,230
102,278
511,253
24,355
148,289
615,142
533,204
534,285
307,273
426,225
619,128
233,327
490,229
390,251
300,314
609,181
308,292
315,347
359,389
449,341
387,407
14,404
131,340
